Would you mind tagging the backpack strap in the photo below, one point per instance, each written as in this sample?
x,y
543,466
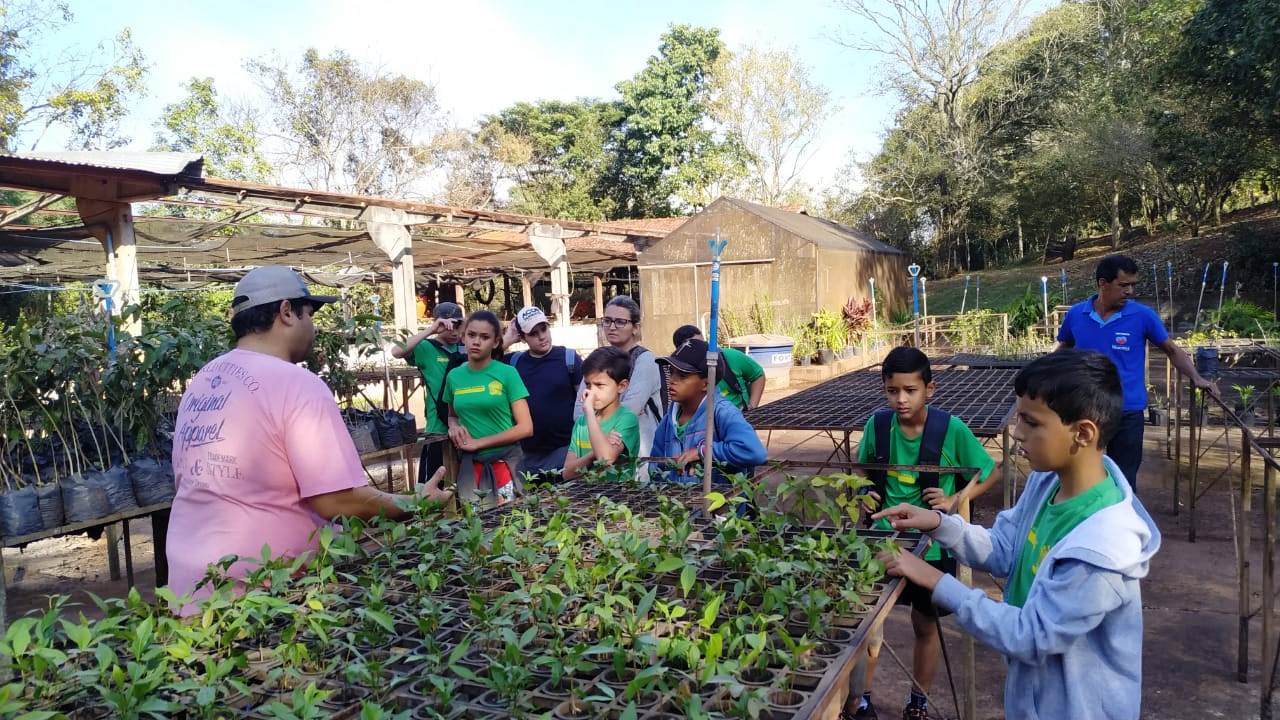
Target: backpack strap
x,y
650,405
935,433
880,426
515,358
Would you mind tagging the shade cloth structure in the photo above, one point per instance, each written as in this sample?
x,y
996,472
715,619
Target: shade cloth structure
x,y
190,227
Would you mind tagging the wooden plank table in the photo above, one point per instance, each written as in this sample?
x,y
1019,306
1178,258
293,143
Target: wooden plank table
x,y
153,511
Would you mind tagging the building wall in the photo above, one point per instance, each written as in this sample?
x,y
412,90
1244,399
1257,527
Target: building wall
x,y
842,274
675,296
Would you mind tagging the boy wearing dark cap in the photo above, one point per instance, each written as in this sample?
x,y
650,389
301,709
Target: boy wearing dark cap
x,y
430,350
682,434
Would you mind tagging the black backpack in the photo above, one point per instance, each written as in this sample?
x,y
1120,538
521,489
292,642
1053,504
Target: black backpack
x,y
935,433
455,359
654,408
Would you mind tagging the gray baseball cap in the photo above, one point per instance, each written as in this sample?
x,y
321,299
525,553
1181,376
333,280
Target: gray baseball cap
x,y
271,284
447,311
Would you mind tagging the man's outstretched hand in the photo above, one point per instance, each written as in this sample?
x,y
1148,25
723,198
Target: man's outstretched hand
x,y
432,490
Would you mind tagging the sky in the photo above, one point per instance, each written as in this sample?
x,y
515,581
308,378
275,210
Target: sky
x,y
483,55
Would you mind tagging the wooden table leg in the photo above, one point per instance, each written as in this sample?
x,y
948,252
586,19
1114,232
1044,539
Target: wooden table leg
x,y
113,551
4,592
160,541
1243,529
128,553
1006,473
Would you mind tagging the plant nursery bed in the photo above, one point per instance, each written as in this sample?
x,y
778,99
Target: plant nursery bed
x,y
589,599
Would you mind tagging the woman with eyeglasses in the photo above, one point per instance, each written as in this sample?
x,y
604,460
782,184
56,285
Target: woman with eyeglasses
x,y
644,395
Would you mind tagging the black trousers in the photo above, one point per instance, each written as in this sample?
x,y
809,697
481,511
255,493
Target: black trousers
x,y
1125,447
432,459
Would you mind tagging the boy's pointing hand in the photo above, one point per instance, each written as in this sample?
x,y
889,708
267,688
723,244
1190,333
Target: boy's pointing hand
x,y
910,517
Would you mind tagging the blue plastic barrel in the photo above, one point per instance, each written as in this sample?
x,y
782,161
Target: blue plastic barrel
x,y
773,352
1207,361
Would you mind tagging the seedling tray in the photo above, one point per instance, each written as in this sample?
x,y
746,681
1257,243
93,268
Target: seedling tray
x,y
588,599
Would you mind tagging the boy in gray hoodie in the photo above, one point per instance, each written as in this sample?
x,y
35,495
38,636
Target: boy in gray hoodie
x,y
1073,549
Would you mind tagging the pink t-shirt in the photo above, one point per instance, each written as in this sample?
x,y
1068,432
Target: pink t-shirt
x,y
255,437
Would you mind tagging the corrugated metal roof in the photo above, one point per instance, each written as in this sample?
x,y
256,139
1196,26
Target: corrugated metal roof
x,y
660,224
821,232
158,163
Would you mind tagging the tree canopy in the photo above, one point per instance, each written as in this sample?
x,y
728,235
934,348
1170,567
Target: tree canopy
x,y
1092,117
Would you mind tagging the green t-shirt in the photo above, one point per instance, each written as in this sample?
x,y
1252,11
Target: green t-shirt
x,y
959,449
482,399
747,370
622,421
1053,522
432,363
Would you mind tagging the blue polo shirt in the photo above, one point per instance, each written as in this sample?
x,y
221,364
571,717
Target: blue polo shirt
x,y
1123,337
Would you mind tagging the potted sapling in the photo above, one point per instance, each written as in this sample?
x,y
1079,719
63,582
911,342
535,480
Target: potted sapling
x,y
1244,403
1158,409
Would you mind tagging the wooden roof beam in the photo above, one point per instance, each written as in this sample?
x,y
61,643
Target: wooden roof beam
x,y
41,202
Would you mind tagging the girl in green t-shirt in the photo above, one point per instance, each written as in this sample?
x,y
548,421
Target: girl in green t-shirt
x,y
488,414
607,431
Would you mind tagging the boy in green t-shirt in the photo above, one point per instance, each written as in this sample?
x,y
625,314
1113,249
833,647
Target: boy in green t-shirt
x,y
917,435
606,431
429,350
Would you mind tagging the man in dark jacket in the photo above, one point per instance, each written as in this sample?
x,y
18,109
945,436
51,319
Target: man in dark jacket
x,y
552,374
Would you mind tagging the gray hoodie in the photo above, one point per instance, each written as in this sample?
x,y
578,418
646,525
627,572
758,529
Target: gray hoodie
x,y
1075,648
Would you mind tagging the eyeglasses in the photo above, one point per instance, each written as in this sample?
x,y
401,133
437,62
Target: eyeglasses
x,y
613,322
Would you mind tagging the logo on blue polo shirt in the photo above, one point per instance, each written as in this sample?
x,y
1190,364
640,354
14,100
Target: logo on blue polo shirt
x,y
1121,342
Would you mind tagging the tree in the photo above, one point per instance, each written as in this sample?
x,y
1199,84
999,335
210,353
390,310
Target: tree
x,y
345,127
472,170
85,93
1234,46
226,136
665,150
938,49
557,154
768,102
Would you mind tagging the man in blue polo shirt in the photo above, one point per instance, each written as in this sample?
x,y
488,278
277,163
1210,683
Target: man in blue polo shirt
x,y
1112,323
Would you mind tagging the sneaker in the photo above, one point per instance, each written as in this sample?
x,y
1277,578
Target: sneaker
x,y
862,713
914,712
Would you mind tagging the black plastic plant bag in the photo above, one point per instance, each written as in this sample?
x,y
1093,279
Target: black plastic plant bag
x,y
152,481
84,498
115,481
408,428
50,497
20,512
388,427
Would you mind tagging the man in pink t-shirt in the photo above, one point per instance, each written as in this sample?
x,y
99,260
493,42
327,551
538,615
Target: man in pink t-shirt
x,y
260,454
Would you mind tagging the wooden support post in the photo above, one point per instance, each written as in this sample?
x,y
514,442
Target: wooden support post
x,y
460,295
112,224
1193,457
965,575
1168,403
112,536
394,240
1268,582
598,282
1176,417
1006,470
1243,528
526,290
4,605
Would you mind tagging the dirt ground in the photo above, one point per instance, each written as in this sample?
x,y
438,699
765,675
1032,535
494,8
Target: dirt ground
x,y
1190,598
